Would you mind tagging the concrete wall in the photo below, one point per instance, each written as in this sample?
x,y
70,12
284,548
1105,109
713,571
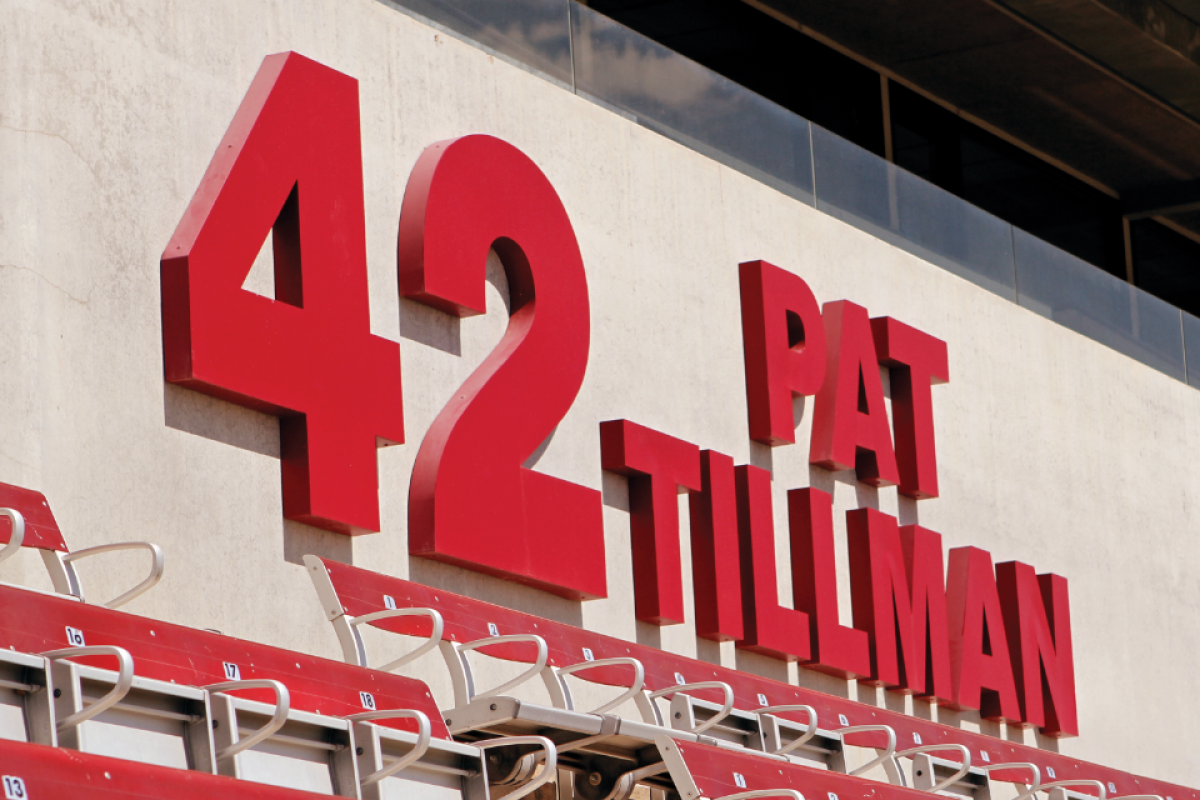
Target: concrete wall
x,y
1053,449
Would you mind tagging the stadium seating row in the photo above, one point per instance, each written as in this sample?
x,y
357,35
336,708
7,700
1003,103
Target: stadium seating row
x,y
708,704
96,702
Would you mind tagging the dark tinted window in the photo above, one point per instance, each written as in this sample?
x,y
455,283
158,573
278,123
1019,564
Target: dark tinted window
x,y
843,96
767,57
1006,181
1166,264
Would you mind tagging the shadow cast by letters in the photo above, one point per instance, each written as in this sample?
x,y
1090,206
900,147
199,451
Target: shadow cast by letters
x,y
430,327
300,540
200,415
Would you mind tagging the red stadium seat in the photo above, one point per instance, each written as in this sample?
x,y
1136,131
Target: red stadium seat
x,y
719,773
38,772
709,704
198,700
26,521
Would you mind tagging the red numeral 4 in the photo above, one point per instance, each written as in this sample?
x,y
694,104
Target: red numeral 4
x,y
291,163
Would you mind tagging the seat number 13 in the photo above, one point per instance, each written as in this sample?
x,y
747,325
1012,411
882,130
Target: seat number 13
x,y
14,788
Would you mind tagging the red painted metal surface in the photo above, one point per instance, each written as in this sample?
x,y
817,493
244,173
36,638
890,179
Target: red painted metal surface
x,y
836,649
53,773
784,340
719,771
656,465
466,619
916,361
291,163
979,655
716,562
41,529
472,502
899,593
771,629
850,423
1037,620
32,622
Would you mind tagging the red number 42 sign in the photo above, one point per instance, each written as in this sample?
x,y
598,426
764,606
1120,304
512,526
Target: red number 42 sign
x,y
291,164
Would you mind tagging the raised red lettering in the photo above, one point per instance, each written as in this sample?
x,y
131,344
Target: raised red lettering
x,y
784,341
900,599
836,649
1037,618
982,670
471,502
657,465
291,161
716,563
916,361
850,424
771,629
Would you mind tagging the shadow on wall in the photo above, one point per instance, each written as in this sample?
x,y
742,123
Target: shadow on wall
x,y
200,415
219,421
614,490
442,331
430,327
300,540
495,590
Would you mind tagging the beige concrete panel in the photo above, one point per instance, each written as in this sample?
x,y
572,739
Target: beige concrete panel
x,y
1053,449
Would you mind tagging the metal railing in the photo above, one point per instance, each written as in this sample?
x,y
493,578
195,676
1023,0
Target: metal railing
x,y
660,89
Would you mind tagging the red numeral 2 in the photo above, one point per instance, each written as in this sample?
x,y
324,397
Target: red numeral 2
x,y
291,161
471,501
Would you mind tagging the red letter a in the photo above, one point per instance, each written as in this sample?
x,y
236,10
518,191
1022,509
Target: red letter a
x,y
983,677
850,424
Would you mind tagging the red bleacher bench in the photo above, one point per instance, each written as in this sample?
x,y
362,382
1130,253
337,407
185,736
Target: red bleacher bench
x,y
39,772
91,679
697,771
717,773
709,704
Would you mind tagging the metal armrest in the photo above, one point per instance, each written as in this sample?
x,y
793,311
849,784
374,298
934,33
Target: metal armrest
x,y
549,770
651,713
1063,784
808,734
18,532
887,753
462,677
792,793
964,768
560,693
1033,771
114,696
346,626
435,636
283,703
67,581
422,744
624,784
